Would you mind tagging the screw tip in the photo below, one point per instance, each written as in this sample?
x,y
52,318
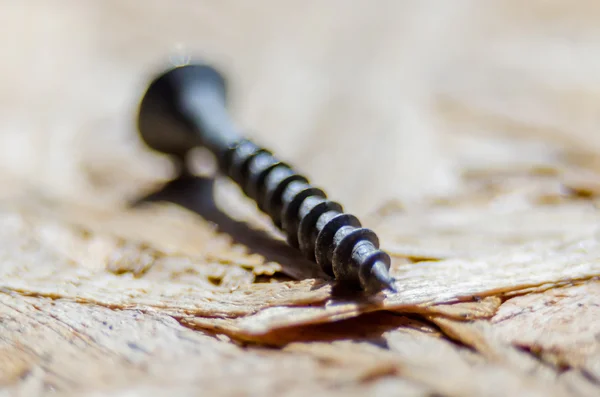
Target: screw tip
x,y
382,277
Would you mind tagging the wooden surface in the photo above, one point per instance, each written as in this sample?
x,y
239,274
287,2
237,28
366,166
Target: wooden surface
x,y
465,133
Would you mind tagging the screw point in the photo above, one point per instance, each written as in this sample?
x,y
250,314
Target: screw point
x,y
381,275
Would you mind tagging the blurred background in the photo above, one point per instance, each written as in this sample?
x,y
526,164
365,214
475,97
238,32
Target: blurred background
x,y
377,101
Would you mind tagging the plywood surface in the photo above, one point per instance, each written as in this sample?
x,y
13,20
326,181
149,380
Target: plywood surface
x,y
464,133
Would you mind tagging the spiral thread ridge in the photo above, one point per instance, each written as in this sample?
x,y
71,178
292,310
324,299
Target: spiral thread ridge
x,y
318,227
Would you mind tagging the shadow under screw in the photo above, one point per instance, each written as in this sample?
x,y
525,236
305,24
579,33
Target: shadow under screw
x,y
196,194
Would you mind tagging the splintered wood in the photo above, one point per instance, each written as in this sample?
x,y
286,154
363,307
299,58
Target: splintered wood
x,y
76,267
483,185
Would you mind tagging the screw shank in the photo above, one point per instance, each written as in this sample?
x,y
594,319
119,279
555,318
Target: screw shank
x,y
203,108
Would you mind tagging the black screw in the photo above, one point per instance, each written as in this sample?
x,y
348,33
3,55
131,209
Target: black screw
x,y
185,107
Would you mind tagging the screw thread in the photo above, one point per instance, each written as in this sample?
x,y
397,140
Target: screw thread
x,y
318,227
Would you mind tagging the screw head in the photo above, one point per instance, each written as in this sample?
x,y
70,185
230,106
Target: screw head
x,y
167,117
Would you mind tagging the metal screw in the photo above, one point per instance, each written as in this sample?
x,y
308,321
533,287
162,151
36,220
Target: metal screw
x,y
185,107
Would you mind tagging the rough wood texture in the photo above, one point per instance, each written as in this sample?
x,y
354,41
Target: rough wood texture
x,y
464,132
